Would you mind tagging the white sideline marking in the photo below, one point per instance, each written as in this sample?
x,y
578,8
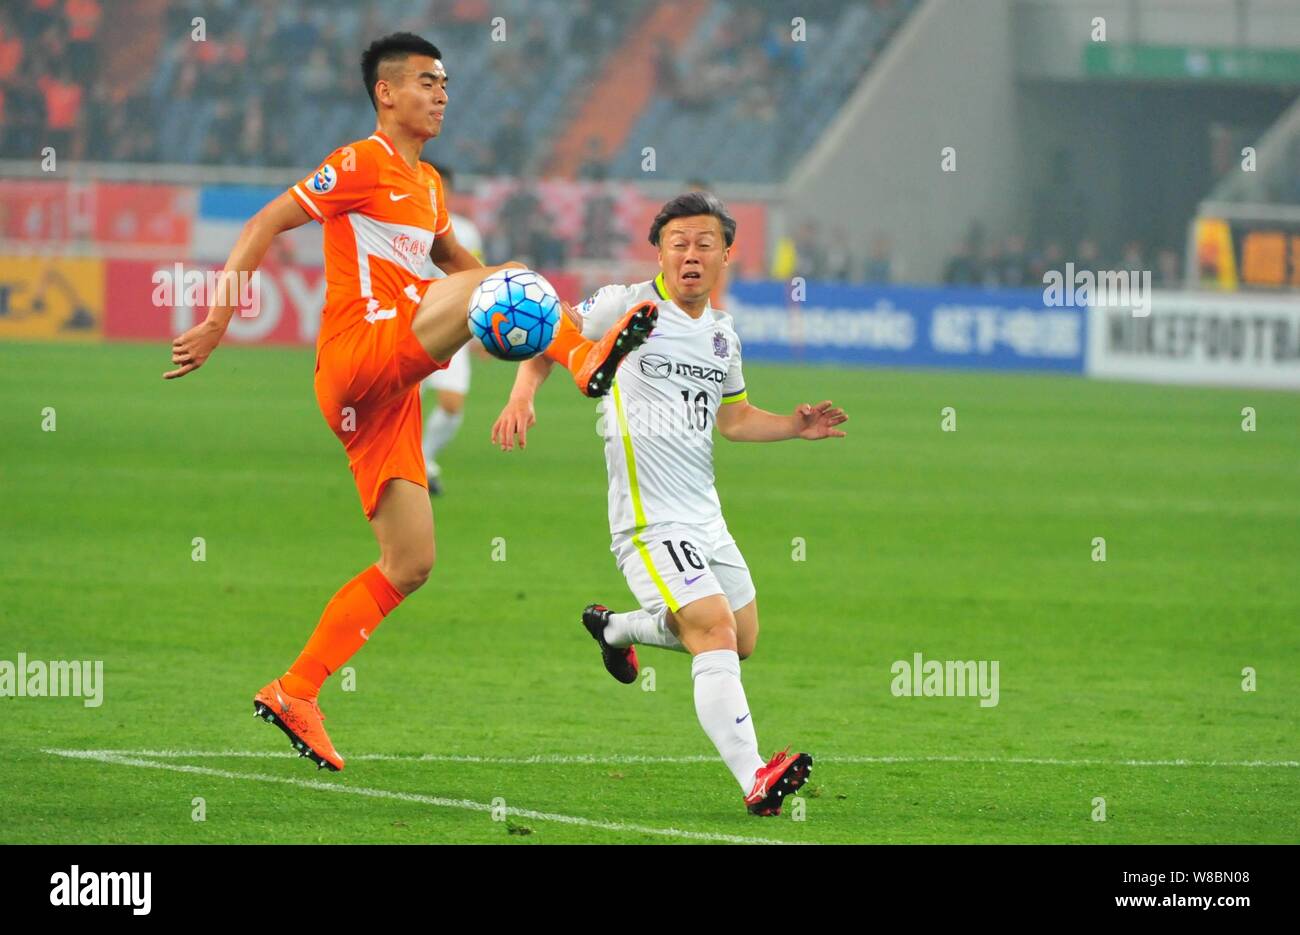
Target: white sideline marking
x,y
121,759
615,759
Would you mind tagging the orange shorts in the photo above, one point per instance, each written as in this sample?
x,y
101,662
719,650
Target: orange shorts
x,y
368,389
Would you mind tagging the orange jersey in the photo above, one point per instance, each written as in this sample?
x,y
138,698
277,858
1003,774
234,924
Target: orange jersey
x,y
380,219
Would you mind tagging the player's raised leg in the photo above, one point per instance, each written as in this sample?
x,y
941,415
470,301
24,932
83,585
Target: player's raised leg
x,y
593,363
707,628
618,634
621,631
620,660
441,323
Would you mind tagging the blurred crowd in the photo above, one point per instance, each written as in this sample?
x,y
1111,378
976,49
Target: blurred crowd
x,y
752,56
827,254
262,58
258,59
49,52
160,96
982,260
590,29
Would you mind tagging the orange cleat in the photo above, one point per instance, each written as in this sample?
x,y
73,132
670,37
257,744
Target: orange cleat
x,y
301,720
783,776
595,374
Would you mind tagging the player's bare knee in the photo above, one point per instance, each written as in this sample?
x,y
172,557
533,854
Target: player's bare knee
x,y
723,636
711,633
411,577
408,572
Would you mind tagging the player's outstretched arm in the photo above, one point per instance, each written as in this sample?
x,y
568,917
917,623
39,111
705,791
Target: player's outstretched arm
x,y
518,415
741,422
191,349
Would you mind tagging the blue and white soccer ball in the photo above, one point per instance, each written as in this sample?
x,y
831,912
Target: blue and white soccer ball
x,y
514,313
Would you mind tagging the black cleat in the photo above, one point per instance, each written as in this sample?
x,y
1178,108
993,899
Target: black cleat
x,y
619,662
597,374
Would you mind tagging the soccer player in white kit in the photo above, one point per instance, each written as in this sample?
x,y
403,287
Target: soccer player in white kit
x,y
451,384
669,537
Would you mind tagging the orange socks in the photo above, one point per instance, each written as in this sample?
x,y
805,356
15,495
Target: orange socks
x,y
350,618
569,348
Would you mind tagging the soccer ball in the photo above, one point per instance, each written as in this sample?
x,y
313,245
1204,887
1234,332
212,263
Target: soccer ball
x,y
514,313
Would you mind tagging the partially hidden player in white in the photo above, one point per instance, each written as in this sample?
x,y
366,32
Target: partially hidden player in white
x,y
669,537
450,385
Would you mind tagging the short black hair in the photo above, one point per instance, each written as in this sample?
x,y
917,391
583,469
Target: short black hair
x,y
691,204
390,49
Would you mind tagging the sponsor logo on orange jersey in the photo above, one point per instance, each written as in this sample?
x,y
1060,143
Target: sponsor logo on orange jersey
x,y
413,247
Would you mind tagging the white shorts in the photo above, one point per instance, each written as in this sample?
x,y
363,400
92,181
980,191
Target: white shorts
x,y
670,564
455,378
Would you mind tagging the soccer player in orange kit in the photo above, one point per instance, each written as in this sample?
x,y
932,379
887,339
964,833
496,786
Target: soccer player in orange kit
x,y
383,329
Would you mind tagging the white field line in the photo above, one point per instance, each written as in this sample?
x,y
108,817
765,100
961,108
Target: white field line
x,y
119,759
615,759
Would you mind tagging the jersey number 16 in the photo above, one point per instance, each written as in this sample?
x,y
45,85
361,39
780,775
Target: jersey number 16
x,y
692,557
698,417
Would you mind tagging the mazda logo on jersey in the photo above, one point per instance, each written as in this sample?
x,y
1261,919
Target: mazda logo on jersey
x,y
660,367
700,373
657,366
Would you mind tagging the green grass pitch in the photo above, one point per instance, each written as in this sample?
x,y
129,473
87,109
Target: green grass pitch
x,y
483,689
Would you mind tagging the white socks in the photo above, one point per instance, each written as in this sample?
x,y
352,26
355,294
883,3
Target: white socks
x,y
724,713
641,626
719,697
439,429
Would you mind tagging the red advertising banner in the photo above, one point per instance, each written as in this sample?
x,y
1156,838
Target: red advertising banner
x,y
155,215
39,211
46,211
149,301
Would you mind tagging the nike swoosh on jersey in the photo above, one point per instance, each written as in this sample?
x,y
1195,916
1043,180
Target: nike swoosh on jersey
x,y
398,197
740,719
691,581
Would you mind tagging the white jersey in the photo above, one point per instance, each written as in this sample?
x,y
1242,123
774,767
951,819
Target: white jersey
x,y
467,235
658,418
